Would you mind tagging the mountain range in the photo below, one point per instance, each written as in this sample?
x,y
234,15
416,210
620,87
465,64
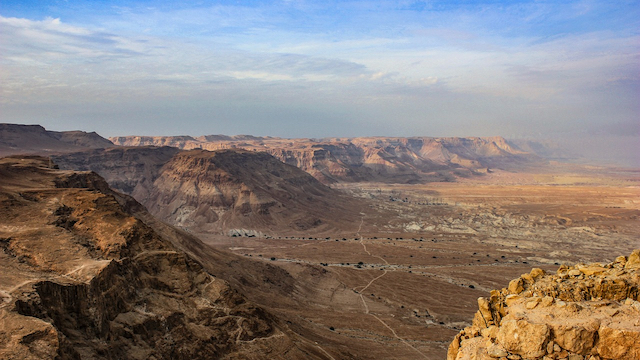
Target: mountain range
x,y
219,191
244,247
376,159
243,184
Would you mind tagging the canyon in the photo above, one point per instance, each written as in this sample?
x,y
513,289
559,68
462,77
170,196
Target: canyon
x,y
380,159
82,277
359,248
219,191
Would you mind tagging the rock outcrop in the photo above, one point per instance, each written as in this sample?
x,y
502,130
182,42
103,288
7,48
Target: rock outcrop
x,y
81,277
218,191
583,312
381,159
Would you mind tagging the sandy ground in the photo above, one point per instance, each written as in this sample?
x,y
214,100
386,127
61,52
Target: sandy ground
x,y
401,287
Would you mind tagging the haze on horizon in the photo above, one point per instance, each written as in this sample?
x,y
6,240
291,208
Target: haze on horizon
x,y
295,68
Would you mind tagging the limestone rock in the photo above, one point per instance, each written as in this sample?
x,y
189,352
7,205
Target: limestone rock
x,y
497,351
515,286
485,310
633,262
523,338
583,312
536,273
618,343
576,339
592,270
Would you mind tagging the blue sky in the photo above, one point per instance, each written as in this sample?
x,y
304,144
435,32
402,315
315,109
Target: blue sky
x,y
297,68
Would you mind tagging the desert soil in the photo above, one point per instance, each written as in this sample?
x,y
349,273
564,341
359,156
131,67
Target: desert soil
x,y
402,286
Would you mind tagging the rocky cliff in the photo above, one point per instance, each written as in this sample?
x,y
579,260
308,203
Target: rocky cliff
x,y
220,191
82,277
34,139
128,170
383,159
583,312
231,189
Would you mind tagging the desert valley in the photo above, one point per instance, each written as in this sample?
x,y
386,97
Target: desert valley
x,y
244,247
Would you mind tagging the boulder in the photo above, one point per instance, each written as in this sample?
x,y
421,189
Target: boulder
x,y
576,339
582,312
633,262
619,344
523,338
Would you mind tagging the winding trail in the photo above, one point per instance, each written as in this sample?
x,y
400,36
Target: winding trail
x,y
324,351
371,282
315,343
364,303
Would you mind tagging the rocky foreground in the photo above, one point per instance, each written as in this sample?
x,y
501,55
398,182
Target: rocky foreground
x,y
82,277
583,312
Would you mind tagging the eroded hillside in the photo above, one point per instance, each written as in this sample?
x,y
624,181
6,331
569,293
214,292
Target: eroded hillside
x,y
383,159
221,191
81,277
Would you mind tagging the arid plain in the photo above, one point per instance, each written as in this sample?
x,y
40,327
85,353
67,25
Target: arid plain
x,y
379,249
400,285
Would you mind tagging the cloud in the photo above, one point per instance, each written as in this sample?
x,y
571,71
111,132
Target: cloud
x,y
50,40
40,54
306,68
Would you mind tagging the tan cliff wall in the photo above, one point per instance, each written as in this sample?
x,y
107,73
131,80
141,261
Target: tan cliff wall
x,y
383,159
583,312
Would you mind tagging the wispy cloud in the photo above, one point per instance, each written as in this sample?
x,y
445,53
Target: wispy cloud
x,y
50,40
311,68
57,53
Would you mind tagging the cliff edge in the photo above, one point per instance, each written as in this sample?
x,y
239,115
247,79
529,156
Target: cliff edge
x,y
583,312
81,277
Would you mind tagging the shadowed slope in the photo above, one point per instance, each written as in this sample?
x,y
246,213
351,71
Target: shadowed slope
x,y
34,139
81,277
220,191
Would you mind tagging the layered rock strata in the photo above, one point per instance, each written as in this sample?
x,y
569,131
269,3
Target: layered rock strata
x,y
83,278
583,312
220,191
382,159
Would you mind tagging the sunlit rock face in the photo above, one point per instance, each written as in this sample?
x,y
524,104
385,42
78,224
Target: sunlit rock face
x,y
382,159
586,311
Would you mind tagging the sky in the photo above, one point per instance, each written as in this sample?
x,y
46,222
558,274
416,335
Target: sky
x,y
298,68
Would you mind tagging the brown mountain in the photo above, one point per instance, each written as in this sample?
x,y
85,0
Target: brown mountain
x,y
223,190
87,273
34,139
382,159
330,160
129,170
241,189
